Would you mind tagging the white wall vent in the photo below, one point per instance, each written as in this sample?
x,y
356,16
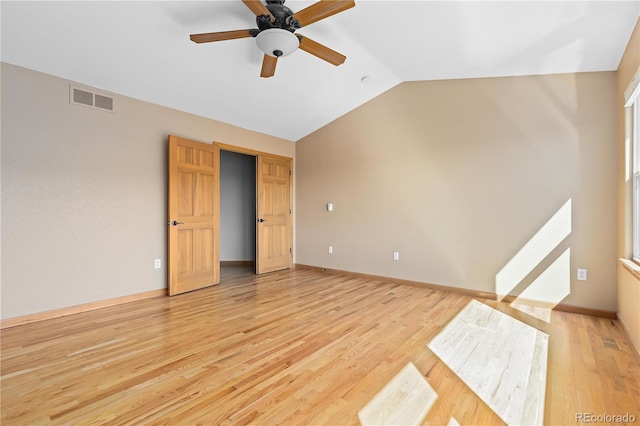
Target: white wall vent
x,y
85,97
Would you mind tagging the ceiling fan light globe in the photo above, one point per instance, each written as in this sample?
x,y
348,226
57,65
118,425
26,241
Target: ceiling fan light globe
x,y
277,42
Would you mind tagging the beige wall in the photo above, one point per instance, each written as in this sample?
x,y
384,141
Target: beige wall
x,y
460,176
628,284
84,192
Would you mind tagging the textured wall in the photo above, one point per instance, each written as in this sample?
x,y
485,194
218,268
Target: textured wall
x,y
84,192
483,183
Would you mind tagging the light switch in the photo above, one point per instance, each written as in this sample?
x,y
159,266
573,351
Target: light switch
x,y
330,207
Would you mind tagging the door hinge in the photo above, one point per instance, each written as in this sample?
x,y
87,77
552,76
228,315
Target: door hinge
x,y
289,172
289,211
290,250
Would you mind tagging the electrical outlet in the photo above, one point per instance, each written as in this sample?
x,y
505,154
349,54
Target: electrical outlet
x,y
396,255
330,249
582,274
158,263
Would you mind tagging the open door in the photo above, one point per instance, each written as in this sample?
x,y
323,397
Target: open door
x,y
274,241
193,258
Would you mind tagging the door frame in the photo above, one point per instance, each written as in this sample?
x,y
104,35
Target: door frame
x,y
218,146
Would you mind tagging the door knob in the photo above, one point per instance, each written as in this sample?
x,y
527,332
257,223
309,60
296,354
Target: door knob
x,y
176,223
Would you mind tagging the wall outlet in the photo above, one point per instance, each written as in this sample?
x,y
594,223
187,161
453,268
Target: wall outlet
x,y
582,274
396,255
330,249
158,263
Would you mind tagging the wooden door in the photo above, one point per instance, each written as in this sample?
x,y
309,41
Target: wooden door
x,y
274,241
194,259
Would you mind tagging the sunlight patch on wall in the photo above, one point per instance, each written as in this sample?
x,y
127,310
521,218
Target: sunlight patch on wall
x,y
551,286
534,251
503,360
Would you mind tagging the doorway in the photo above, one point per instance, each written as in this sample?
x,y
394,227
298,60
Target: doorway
x,y
237,209
193,260
272,219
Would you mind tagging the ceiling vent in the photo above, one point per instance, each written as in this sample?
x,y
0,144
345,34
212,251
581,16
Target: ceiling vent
x,y
87,98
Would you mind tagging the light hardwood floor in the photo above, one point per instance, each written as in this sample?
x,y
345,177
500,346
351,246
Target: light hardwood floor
x,y
290,347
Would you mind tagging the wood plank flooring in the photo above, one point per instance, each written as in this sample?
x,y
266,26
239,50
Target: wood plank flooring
x,y
290,347
513,356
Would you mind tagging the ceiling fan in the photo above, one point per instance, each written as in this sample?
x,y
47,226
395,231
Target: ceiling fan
x,y
276,27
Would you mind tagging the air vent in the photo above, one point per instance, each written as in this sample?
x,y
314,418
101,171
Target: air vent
x,y
609,343
82,97
86,98
103,102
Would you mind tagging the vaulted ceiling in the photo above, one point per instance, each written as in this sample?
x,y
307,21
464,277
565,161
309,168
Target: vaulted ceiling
x,y
142,49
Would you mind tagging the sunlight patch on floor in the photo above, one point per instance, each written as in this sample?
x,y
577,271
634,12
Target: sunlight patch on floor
x,y
405,400
530,309
503,360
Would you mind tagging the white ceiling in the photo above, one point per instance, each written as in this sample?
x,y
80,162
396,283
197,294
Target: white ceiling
x,y
142,49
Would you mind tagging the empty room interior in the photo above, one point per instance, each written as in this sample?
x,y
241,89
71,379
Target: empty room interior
x,y
320,212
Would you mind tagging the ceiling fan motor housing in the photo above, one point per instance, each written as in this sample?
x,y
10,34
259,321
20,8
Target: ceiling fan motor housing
x,y
283,17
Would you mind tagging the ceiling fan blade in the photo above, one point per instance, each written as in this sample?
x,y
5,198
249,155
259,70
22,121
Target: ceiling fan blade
x,y
268,66
258,8
321,51
219,36
322,9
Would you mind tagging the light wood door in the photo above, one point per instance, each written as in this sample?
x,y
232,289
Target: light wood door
x,y
194,258
273,235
